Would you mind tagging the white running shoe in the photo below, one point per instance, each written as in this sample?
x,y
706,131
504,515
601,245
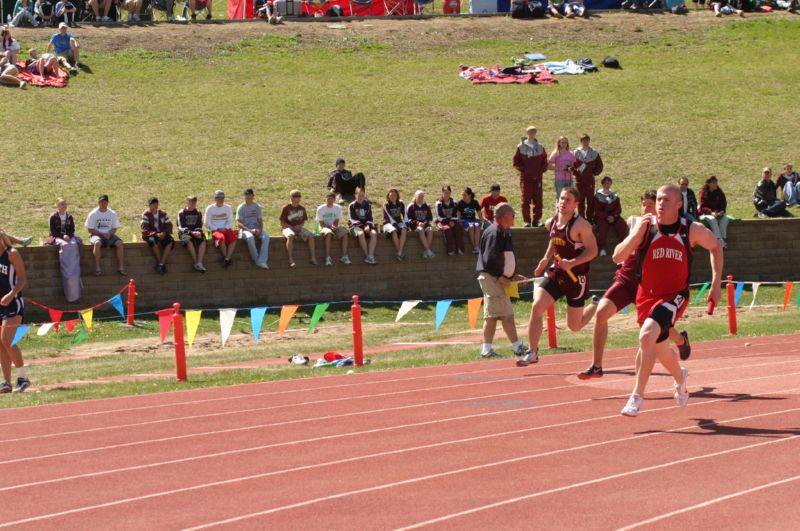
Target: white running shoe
x,y
633,406
345,260
328,261
681,391
523,350
527,359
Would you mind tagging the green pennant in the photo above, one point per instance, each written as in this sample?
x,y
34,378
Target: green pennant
x,y
319,309
702,290
80,336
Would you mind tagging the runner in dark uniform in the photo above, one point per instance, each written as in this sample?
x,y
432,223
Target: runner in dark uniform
x,y
573,246
12,308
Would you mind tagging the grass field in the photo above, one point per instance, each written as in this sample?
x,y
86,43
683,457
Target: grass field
x,y
274,109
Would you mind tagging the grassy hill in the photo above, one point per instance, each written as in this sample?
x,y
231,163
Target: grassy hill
x,y
189,109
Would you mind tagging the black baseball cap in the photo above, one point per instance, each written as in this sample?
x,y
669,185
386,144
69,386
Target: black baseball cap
x,y
248,191
340,160
152,200
103,197
495,186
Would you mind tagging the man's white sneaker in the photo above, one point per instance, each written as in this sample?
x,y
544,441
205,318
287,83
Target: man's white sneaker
x,y
490,354
527,359
345,260
681,391
631,409
328,261
262,265
522,350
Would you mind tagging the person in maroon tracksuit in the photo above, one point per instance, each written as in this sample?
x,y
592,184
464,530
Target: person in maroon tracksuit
x,y
608,214
589,166
530,160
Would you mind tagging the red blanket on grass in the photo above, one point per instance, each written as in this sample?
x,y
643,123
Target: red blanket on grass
x,y
495,74
58,80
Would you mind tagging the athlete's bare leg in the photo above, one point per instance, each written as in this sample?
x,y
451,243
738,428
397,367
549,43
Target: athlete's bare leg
x,y
541,302
605,311
577,318
650,350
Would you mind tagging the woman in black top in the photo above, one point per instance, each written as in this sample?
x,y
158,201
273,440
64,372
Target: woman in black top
x,y
394,221
470,212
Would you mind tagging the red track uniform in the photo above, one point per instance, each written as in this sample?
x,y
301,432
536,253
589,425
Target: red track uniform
x,y
622,291
557,281
530,160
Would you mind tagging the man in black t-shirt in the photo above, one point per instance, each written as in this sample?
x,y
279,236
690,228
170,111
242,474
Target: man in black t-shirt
x,y
344,183
496,266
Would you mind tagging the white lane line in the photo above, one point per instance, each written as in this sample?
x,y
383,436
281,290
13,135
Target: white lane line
x,y
413,480
370,412
583,355
709,502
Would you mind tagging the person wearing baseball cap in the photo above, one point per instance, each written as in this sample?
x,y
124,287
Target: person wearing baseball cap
x,y
344,183
102,224
219,220
250,221
157,233
489,202
63,42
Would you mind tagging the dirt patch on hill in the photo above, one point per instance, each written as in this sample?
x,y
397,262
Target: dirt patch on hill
x,y
185,40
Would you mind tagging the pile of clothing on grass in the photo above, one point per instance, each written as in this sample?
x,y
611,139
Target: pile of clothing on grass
x,y
530,69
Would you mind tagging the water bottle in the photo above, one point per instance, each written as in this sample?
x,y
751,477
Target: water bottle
x,y
8,19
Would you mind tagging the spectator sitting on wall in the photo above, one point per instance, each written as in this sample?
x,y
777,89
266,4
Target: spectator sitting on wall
x,y
765,197
689,200
66,47
157,233
190,229
250,221
344,183
419,218
362,227
102,224
23,12
62,234
95,6
489,201
723,7
448,222
199,5
789,185
329,217
62,226
713,205
43,12
394,221
219,220
470,211
65,12
608,214
293,217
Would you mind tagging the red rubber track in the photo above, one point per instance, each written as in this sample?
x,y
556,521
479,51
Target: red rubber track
x,y
478,446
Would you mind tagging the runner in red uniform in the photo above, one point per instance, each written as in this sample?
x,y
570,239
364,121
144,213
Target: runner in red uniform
x,y
664,248
572,240
622,293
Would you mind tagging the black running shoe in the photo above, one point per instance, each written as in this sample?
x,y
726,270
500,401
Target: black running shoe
x,y
591,372
685,350
22,384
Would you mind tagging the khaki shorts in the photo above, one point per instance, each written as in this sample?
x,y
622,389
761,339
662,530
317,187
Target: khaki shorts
x,y
339,232
357,231
302,233
496,303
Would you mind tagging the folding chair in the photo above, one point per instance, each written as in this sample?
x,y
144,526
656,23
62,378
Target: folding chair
x,y
395,7
363,5
419,6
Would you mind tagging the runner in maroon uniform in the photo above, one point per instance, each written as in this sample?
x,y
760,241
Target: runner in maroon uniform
x,y
573,246
622,293
664,247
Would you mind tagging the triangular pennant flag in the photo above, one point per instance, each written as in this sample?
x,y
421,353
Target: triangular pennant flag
x,y
256,319
287,312
787,295
405,307
71,324
116,302
738,295
319,310
441,311
87,316
20,333
165,322
700,293
80,336
625,309
44,329
226,318
512,290
55,317
473,307
756,285
192,322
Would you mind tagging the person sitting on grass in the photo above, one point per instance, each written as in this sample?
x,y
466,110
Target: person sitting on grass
x,y
329,217
419,218
293,217
448,222
344,183
9,48
765,197
65,12
394,222
190,229
362,226
575,9
789,185
723,7
9,76
43,12
219,220
251,229
23,12
470,211
157,233
712,210
65,47
608,214
102,224
199,5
